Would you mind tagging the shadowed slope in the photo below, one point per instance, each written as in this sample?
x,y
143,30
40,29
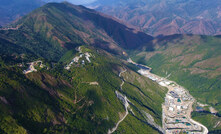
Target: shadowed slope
x,y
57,27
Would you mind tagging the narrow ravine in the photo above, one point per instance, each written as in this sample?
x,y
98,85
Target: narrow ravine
x,y
124,100
121,85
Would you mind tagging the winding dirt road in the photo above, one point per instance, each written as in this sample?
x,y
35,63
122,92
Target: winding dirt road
x,y
126,105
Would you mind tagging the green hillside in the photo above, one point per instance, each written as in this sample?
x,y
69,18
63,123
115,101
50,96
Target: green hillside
x,y
48,84
61,101
190,60
50,31
44,90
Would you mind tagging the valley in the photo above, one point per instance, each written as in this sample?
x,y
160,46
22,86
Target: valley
x,y
177,107
190,61
126,105
64,69
59,73
104,98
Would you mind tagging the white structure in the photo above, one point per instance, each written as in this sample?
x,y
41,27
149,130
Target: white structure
x,y
77,58
171,109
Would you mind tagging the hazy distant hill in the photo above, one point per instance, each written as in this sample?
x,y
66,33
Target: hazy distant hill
x,y
167,17
11,10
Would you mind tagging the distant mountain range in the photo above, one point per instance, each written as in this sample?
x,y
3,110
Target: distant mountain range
x,y
166,17
155,17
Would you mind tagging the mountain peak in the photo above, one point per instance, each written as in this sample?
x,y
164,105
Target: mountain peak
x,y
64,26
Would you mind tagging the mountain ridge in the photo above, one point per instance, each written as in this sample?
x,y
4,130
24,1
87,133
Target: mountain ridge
x,y
192,17
61,72
79,25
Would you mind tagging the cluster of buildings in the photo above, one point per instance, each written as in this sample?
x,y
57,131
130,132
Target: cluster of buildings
x,y
84,56
32,65
177,107
177,112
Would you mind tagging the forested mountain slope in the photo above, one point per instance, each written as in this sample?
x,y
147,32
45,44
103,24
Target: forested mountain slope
x,y
79,100
57,27
192,61
48,84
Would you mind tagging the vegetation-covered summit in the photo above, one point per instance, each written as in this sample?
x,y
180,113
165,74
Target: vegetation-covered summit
x,y
55,28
